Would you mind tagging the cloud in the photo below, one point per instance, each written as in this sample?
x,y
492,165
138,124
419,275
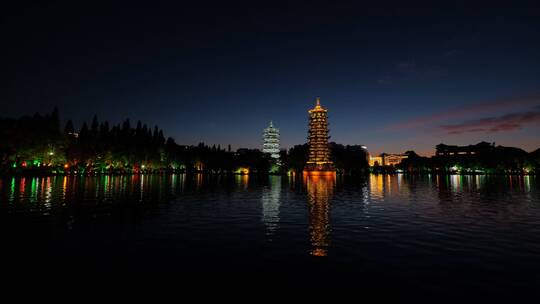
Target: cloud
x,y
406,65
410,70
465,111
451,53
503,123
383,80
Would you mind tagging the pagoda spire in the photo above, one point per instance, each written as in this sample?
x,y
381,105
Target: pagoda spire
x,y
318,103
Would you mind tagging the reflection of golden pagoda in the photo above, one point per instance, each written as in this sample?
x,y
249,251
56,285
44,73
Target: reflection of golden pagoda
x,y
319,189
319,154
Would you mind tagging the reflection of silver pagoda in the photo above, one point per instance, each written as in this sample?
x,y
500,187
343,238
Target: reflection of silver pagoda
x,y
271,142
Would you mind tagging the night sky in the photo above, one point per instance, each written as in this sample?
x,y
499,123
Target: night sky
x,y
394,78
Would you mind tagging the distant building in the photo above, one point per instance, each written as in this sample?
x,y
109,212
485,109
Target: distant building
x,y
386,159
443,150
375,161
271,142
393,159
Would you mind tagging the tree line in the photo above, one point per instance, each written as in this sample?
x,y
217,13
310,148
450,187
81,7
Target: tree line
x,y
38,144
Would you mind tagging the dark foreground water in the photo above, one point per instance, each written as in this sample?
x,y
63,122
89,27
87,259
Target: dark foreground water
x,y
427,234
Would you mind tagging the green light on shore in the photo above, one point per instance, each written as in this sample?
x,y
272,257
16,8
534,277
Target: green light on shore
x,y
14,165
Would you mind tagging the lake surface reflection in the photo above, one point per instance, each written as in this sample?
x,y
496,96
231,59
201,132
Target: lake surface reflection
x,y
434,233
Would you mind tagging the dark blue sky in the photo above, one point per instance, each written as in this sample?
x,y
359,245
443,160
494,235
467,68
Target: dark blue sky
x,y
393,77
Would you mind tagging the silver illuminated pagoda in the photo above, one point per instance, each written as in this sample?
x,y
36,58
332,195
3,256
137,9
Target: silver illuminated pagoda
x,y
271,142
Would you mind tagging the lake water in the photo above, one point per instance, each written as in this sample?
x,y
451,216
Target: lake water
x,y
433,234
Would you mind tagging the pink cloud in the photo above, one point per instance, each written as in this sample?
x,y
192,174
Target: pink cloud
x,y
465,111
503,123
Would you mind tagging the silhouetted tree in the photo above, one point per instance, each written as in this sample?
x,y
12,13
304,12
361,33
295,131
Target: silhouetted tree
x,y
83,133
297,158
94,126
69,129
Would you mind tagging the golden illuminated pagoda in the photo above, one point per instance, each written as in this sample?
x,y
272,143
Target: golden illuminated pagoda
x,y
319,153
